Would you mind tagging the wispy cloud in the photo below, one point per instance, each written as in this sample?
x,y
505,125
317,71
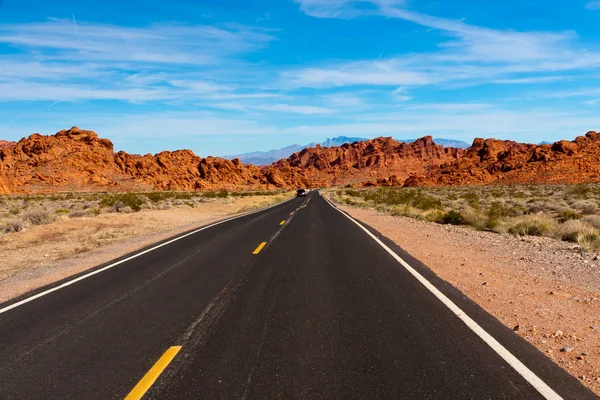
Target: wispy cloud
x,y
466,53
593,5
165,44
105,62
296,109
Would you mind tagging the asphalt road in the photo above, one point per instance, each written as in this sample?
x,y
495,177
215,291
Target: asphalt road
x,y
320,311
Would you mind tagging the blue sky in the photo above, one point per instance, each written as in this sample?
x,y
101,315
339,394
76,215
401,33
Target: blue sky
x,y
222,77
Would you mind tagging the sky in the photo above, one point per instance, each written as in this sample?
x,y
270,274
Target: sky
x,y
231,76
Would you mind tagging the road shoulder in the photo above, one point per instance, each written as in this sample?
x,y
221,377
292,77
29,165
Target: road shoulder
x,y
515,281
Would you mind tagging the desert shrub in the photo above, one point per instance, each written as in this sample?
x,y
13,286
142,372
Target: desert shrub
x,y
184,195
453,217
474,217
586,207
579,191
413,197
472,199
588,241
38,217
492,225
533,225
78,214
15,211
61,211
120,200
95,211
497,210
155,197
575,230
497,193
534,207
353,193
593,220
568,214
436,216
404,211
13,225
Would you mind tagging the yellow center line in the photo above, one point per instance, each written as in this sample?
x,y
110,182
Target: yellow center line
x,y
259,248
292,213
282,222
224,290
151,376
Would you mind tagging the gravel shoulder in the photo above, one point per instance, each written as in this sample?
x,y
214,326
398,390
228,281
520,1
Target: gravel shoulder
x,y
542,288
48,253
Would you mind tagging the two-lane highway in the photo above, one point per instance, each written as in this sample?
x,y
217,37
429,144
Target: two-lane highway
x,y
296,301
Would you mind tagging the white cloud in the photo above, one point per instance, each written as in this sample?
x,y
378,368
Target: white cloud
x,y
163,44
449,107
593,5
342,8
539,79
295,109
467,53
400,94
355,73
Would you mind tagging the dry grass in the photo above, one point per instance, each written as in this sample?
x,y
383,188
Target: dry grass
x,y
566,212
47,229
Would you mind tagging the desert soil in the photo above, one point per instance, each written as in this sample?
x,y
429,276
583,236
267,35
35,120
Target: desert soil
x,y
47,253
543,286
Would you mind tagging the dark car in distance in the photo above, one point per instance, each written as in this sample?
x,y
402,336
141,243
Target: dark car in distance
x,y
301,193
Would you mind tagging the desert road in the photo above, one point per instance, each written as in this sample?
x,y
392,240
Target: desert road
x,y
296,301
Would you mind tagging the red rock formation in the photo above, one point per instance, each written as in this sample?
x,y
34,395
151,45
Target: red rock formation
x,y
4,144
77,160
494,161
370,160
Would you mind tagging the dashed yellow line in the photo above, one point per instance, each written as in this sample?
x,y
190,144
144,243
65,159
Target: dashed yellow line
x,y
282,222
259,248
224,290
292,213
151,376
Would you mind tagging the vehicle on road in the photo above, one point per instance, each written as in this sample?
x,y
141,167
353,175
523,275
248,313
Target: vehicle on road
x,y
301,193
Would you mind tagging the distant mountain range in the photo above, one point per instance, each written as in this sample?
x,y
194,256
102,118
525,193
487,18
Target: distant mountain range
x,y
269,157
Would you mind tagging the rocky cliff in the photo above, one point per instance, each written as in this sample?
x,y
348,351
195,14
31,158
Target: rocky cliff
x,y
78,160
491,161
374,159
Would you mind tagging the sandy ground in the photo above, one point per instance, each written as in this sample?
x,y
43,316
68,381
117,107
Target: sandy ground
x,y
543,286
44,254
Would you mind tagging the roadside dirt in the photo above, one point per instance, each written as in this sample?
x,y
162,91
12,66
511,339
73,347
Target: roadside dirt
x,y
47,253
540,285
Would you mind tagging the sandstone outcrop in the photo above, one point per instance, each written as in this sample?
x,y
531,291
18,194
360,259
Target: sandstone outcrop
x,y
370,160
492,161
78,160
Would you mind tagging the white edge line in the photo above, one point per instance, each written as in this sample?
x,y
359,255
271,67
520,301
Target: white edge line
x,y
69,283
513,361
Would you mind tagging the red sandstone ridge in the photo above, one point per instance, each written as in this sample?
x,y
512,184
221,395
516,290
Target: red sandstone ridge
x,y
375,159
492,161
4,144
78,160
